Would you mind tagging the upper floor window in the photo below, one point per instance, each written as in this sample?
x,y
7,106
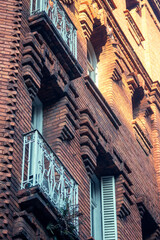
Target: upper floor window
x,y
92,63
95,206
37,115
130,4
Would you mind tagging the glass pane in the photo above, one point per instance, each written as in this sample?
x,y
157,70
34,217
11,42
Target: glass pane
x,y
92,221
38,4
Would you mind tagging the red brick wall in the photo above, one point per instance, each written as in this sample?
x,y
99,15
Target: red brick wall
x,y
69,111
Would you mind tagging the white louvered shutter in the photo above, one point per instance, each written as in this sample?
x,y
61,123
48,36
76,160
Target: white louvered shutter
x,y
109,208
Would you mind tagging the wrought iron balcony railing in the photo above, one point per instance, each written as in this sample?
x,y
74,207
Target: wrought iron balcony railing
x,y
42,167
60,19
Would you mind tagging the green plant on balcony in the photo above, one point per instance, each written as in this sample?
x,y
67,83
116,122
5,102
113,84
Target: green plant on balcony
x,y
65,229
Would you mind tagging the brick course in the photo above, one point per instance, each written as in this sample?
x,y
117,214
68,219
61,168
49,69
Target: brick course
x,y
112,129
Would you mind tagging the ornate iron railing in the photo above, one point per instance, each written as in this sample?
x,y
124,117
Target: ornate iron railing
x,y
42,167
60,19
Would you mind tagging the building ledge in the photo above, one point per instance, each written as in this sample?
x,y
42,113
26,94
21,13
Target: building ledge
x,y
42,24
35,201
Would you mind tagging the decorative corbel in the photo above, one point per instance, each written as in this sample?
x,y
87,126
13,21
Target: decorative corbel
x,y
88,14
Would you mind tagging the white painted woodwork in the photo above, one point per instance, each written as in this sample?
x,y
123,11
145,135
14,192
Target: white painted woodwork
x,y
109,208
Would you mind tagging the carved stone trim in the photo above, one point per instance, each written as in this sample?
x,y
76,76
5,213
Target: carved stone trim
x,y
88,13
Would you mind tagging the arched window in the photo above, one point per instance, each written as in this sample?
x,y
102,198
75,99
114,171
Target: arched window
x,y
92,63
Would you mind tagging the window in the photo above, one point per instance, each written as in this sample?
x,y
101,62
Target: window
x,y
92,62
103,208
96,216
36,124
37,115
130,4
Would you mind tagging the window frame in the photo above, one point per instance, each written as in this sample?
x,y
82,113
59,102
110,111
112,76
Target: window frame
x,y
92,63
103,217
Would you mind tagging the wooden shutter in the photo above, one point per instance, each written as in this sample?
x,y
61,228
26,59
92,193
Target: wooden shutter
x,y
109,208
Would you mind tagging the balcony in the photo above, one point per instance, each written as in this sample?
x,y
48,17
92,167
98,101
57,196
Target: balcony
x,y
42,168
60,20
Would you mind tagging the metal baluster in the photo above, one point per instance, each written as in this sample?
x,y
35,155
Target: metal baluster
x,y
41,5
29,160
49,176
45,5
71,37
59,20
35,158
31,7
23,162
64,31
75,43
37,5
40,168
60,188
70,195
76,204
39,162
53,181
55,14
44,170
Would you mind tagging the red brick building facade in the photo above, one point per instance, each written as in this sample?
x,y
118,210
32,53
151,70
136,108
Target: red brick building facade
x,y
79,117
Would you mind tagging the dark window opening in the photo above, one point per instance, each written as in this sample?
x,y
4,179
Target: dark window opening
x,y
130,4
136,99
148,227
